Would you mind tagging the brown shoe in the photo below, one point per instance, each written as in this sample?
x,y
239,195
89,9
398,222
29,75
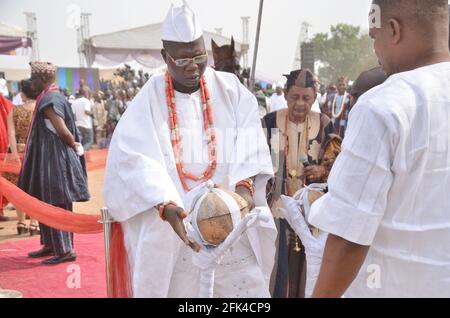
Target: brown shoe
x,y
45,251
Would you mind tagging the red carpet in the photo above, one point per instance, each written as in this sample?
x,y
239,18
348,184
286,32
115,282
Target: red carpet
x,y
84,278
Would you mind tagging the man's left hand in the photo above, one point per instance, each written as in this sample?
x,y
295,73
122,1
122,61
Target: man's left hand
x,y
315,173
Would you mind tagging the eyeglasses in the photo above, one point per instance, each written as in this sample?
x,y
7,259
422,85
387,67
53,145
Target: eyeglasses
x,y
200,59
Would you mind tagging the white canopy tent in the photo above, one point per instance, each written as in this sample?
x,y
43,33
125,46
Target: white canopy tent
x,y
15,67
11,30
142,45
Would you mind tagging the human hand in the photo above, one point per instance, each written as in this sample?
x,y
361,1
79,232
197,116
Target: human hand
x,y
314,173
78,149
12,158
174,216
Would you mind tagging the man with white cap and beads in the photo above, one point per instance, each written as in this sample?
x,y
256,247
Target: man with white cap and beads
x,y
186,127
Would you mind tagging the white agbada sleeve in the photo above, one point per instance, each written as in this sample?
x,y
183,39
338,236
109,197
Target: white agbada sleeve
x,y
136,178
361,177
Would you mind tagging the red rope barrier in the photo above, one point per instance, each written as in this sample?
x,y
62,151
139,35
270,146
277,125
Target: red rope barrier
x,y
48,214
120,278
95,159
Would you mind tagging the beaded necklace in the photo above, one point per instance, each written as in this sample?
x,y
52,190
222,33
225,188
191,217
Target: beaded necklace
x,y
333,107
208,126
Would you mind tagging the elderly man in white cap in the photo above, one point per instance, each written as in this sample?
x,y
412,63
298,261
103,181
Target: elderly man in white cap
x,y
277,100
184,128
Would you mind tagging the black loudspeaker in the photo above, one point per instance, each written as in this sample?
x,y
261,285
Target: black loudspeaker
x,y
308,56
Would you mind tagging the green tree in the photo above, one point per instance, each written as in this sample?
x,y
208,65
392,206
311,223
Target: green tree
x,y
345,51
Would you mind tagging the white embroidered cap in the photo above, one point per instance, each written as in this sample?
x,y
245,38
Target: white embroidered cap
x,y
181,25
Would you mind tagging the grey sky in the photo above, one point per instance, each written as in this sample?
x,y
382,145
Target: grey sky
x,y
279,34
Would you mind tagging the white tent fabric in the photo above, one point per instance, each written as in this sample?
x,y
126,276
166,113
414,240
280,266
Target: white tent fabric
x,y
15,68
11,30
142,44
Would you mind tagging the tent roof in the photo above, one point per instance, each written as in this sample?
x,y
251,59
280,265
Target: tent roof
x,y
11,30
147,37
15,67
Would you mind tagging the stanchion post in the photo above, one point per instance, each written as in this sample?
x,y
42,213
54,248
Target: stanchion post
x,y
107,220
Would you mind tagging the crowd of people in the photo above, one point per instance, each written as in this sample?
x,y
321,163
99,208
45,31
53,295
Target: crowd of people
x,y
96,113
376,153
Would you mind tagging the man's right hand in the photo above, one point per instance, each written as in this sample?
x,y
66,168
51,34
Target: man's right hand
x,y
175,215
78,149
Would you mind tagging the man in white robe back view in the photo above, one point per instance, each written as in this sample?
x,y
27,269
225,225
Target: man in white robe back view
x,y
143,185
387,208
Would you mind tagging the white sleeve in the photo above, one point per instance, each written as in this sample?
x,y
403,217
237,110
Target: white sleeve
x,y
136,177
361,178
87,106
251,155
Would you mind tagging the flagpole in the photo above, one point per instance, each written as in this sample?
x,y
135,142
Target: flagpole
x,y
255,52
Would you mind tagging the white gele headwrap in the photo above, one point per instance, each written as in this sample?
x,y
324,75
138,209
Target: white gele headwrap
x,y
181,25
229,201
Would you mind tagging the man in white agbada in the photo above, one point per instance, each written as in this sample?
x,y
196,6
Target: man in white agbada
x,y
389,188
278,100
142,176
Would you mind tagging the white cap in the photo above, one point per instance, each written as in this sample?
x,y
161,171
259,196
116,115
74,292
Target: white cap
x,y
279,85
181,25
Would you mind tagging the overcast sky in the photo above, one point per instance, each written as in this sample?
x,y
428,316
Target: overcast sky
x,y
279,34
